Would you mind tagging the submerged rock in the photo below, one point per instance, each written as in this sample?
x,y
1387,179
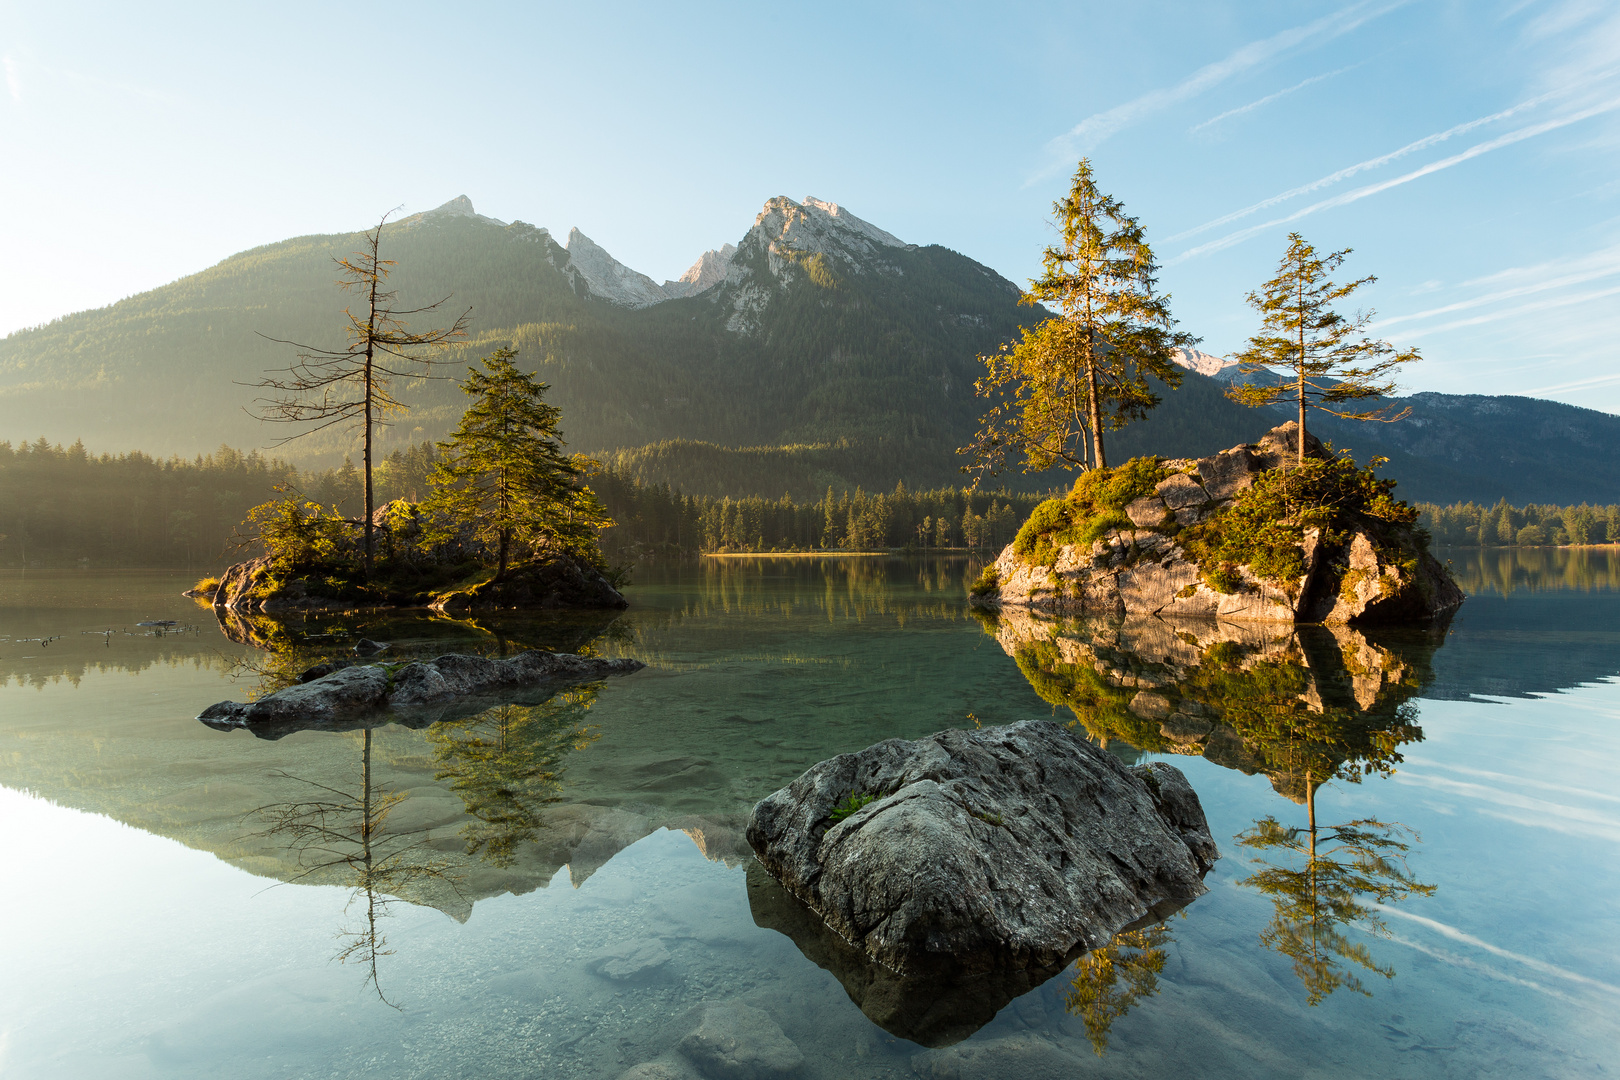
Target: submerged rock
x,y
985,851
364,688
935,1009
735,1041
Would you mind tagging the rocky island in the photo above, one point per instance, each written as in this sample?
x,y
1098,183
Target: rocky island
x,y
1246,534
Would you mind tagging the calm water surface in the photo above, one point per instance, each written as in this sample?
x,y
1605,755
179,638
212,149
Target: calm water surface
x,y
558,886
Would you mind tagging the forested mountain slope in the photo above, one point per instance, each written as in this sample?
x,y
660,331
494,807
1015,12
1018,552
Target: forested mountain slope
x,y
830,351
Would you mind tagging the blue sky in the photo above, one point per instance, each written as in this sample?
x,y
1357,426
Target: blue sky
x,y
1468,152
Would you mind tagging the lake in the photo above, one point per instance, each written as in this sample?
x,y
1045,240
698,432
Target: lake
x,y
558,887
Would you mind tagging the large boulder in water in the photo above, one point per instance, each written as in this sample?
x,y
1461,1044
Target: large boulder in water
x,y
985,851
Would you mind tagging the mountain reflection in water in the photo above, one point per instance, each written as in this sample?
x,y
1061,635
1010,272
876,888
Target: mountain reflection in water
x,y
1304,705
151,950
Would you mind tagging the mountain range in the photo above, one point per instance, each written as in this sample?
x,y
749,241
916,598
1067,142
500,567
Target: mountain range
x,y
818,350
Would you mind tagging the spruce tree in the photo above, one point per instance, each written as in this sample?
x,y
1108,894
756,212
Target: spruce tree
x,y
1086,371
1330,358
503,473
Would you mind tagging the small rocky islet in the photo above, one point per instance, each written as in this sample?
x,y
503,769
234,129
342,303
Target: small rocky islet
x,y
1223,537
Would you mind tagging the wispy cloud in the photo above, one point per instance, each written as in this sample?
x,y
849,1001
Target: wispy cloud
x,y
1369,190
1094,129
1268,99
1530,281
1544,814
1365,166
13,79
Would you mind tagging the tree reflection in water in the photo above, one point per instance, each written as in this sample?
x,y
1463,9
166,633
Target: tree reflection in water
x,y
1109,981
343,833
1336,876
506,764
1305,706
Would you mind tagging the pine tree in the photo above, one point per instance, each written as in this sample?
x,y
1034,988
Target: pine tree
x,y
1086,371
1331,358
503,471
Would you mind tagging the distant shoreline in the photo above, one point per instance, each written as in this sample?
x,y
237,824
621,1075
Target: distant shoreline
x,y
830,554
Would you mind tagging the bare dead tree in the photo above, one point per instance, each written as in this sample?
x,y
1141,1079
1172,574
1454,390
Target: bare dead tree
x,y
351,385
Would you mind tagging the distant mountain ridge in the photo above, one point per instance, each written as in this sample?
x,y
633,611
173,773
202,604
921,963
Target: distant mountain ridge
x,y
816,329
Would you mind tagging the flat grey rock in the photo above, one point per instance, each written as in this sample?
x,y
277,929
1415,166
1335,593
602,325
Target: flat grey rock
x,y
985,851
637,960
362,688
735,1041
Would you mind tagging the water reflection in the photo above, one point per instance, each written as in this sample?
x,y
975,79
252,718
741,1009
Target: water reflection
x,y
1534,569
1108,982
1303,705
342,835
1328,877
506,764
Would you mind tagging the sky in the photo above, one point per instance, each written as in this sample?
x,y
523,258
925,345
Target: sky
x,y
1467,153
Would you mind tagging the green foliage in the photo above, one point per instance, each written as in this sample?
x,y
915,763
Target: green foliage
x,y
1094,506
1330,877
988,581
1109,981
1091,367
849,805
1263,528
1502,525
1101,707
1330,360
298,534
503,475
507,765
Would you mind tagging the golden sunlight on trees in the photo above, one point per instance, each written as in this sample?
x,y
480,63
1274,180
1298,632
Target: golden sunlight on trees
x,y
351,384
1082,373
1330,358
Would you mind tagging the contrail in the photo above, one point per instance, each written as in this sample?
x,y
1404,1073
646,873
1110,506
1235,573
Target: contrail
x,y
1091,131
1370,163
1268,99
1373,189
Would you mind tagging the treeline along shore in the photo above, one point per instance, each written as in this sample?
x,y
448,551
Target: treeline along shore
x,y
63,506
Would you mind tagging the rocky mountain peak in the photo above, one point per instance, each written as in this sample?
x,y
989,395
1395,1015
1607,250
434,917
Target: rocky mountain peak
x,y
709,270
789,228
1217,367
458,207
609,278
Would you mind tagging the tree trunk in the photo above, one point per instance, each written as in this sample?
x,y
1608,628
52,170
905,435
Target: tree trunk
x,y
1301,287
1095,405
371,331
506,540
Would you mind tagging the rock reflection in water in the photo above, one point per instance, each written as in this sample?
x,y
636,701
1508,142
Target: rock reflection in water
x,y
292,644
1304,705
937,1010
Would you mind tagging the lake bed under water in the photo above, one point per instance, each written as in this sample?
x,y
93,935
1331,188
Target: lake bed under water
x,y
560,887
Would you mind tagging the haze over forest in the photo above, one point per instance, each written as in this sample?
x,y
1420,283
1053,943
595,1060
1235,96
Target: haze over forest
x,y
818,350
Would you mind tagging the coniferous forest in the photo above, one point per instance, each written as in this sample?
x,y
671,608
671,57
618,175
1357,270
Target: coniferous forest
x,y
62,506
